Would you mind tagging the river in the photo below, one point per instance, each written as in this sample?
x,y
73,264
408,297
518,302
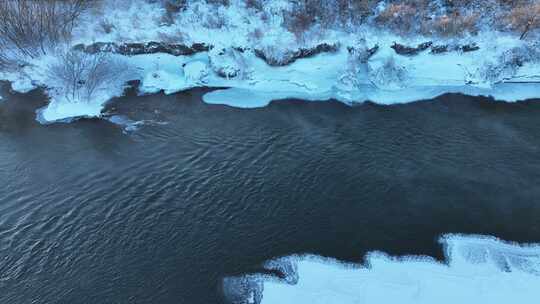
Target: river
x,y
92,213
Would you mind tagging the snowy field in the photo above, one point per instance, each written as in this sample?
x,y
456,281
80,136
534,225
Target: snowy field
x,y
477,270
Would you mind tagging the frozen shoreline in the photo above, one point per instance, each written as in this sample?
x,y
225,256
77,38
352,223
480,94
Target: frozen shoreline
x,y
254,54
386,77
482,268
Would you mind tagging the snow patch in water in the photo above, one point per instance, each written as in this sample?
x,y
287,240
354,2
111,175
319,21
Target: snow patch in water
x,y
128,125
477,270
240,98
60,110
248,98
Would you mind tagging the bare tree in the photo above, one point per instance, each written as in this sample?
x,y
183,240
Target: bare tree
x,y
80,74
28,28
530,24
4,60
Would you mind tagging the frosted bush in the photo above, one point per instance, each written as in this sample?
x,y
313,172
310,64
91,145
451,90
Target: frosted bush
x,y
387,74
357,58
228,63
80,75
507,65
276,54
196,71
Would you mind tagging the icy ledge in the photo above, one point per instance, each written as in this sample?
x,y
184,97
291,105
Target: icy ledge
x,y
477,270
502,67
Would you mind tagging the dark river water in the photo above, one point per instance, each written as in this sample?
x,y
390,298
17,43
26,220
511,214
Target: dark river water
x,y
92,214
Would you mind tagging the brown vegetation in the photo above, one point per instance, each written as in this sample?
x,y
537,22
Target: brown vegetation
x,y
444,17
452,25
524,18
400,17
459,17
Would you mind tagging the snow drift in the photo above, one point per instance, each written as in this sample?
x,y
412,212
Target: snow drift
x,y
477,270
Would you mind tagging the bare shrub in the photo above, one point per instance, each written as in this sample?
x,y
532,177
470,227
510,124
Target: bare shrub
x,y
347,11
358,56
167,19
219,2
276,55
326,14
298,22
508,63
524,18
172,8
80,74
389,75
178,37
255,4
216,20
446,17
4,58
29,28
256,34
398,16
452,25
436,17
303,16
106,26
228,63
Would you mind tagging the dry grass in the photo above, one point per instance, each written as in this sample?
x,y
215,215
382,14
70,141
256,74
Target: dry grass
x,y
324,14
454,25
405,17
523,18
448,18
298,22
459,17
399,17
172,8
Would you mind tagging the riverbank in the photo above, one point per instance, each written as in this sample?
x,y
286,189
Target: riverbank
x,y
476,267
502,67
256,56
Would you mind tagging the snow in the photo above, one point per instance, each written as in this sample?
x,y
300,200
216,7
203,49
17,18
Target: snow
x,y
163,80
129,125
240,98
385,78
196,71
19,81
62,110
408,79
478,270
170,74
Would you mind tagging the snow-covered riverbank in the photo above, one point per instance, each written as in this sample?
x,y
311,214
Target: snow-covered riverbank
x,y
367,64
386,77
477,270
